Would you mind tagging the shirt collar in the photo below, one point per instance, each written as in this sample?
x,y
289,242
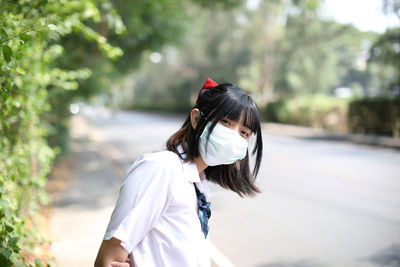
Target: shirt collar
x,y
203,186
190,171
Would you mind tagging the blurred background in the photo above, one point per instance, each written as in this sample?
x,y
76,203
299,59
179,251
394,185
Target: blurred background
x,y
88,86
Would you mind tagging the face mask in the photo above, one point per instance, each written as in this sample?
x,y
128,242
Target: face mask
x,y
225,146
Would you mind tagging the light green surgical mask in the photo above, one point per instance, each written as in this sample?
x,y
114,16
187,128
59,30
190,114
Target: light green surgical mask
x,y
225,146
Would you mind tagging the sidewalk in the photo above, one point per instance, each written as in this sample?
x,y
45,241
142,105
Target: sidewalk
x,y
313,133
82,209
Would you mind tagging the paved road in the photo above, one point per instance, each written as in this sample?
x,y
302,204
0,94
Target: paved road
x,y
324,203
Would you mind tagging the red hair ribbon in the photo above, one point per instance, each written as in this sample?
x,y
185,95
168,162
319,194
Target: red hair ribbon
x,y
208,84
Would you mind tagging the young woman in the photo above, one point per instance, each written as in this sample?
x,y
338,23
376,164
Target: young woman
x,y
161,216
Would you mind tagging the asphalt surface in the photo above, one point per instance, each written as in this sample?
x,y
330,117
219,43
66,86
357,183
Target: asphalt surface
x,y
324,203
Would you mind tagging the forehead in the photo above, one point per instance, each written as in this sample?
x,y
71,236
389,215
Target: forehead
x,y
239,121
245,118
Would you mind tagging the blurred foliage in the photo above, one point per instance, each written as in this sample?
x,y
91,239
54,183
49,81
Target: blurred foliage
x,y
391,7
276,50
29,79
282,52
232,46
384,55
384,59
377,116
143,26
135,28
208,48
314,111
314,56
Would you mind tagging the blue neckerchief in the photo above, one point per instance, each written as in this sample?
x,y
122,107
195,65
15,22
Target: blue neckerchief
x,y
204,210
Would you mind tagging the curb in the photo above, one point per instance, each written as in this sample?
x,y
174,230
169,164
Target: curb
x,y
318,133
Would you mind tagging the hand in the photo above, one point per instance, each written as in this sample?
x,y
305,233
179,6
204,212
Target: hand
x,y
121,264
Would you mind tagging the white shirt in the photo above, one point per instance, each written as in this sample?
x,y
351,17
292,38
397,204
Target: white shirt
x,y
156,215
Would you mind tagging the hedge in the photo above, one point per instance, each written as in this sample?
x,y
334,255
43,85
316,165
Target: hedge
x,y
375,116
316,111
30,32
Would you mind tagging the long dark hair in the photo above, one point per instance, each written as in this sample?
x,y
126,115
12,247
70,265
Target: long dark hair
x,y
223,101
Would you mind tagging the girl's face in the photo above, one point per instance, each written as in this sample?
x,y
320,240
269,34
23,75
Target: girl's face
x,y
225,144
237,126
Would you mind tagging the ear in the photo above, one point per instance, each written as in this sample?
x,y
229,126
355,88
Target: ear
x,y
195,117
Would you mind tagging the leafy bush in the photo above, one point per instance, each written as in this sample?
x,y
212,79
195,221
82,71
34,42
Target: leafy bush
x,y
380,116
377,116
29,34
314,111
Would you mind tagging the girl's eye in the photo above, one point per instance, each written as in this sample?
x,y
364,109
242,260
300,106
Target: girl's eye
x,y
246,134
226,122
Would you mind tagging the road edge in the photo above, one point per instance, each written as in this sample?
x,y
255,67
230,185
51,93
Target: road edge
x,y
322,134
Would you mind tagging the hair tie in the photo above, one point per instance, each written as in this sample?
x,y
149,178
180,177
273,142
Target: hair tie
x,y
208,84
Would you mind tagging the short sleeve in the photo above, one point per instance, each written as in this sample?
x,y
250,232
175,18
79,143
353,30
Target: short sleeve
x,y
144,196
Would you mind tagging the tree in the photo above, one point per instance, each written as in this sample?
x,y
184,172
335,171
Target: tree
x,y
384,60
315,55
274,48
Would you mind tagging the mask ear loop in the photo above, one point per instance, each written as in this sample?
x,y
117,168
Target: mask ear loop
x,y
201,113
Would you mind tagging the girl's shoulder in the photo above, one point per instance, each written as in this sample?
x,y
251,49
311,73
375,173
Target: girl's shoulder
x,y
162,157
161,160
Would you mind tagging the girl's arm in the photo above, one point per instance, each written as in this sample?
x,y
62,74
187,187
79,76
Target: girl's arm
x,y
145,194
111,251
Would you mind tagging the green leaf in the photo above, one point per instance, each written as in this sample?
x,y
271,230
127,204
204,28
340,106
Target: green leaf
x,y
5,31
41,36
25,37
9,84
7,53
4,203
9,227
4,261
38,263
16,249
12,241
4,96
6,252
52,26
20,70
18,55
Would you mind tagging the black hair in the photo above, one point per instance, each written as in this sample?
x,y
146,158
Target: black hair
x,y
223,101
